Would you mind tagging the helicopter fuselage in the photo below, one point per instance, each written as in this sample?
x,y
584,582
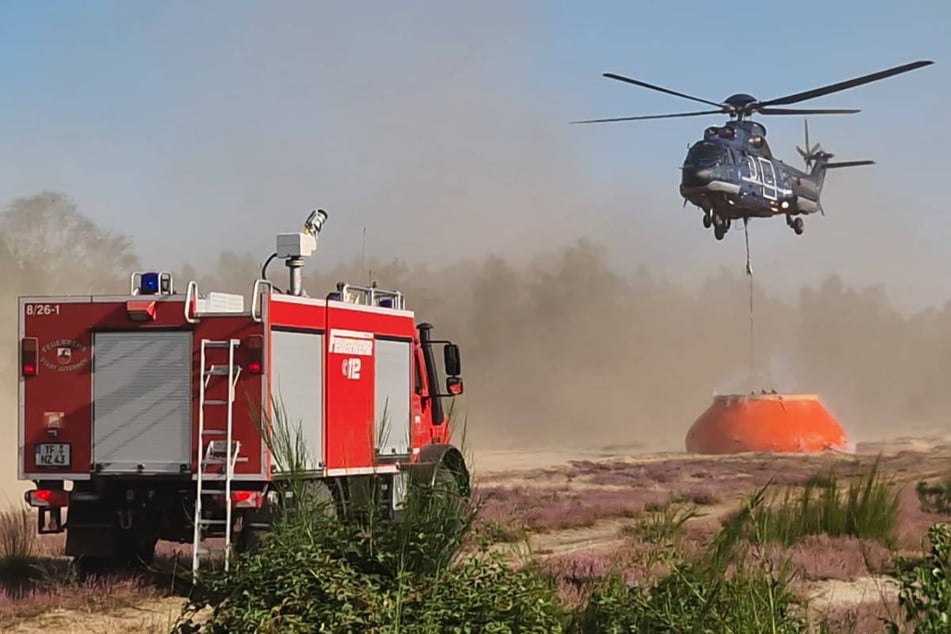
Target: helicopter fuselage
x,y
731,174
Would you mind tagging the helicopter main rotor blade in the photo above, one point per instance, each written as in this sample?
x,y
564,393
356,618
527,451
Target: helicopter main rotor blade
x,y
642,84
651,116
842,85
808,111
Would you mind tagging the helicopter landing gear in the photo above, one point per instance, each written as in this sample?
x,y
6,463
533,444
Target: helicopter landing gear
x,y
720,226
795,224
707,219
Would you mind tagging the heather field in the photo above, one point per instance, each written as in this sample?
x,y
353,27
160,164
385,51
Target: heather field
x,y
833,532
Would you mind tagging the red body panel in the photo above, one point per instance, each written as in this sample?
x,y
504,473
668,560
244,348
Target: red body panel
x,y
59,396
61,392
248,390
349,408
348,376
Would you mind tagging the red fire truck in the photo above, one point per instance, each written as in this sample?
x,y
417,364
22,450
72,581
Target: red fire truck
x,y
145,416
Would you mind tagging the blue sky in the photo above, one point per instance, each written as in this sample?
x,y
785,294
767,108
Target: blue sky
x,y
200,126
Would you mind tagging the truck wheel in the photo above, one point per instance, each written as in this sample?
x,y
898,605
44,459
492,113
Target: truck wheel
x,y
319,498
249,539
448,485
255,523
132,554
451,475
91,566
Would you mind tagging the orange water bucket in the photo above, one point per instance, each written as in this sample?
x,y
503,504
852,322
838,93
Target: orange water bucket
x,y
737,423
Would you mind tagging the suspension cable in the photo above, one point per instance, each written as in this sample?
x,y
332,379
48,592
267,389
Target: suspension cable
x,y
749,273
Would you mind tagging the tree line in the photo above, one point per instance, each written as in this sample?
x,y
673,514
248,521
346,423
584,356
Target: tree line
x,y
565,347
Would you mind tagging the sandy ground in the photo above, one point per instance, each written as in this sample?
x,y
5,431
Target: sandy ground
x,y
151,617
909,458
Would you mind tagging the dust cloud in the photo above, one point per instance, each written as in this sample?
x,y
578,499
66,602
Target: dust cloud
x,y
560,350
577,329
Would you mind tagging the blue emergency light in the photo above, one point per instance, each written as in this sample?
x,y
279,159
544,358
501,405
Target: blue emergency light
x,y
149,285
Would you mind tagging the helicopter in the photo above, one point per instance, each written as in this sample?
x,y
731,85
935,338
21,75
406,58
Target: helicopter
x,y
731,173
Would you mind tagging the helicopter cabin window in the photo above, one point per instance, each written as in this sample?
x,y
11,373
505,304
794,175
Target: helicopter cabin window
x,y
751,167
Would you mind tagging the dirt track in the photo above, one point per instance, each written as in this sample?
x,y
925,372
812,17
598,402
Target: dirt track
x,y
908,460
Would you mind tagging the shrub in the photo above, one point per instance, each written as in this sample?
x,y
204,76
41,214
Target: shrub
x,y
17,551
313,572
319,574
935,498
925,594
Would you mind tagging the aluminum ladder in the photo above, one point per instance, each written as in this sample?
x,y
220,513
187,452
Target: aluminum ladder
x,y
211,452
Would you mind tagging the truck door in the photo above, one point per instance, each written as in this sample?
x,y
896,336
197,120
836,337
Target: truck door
x,y
142,391
393,386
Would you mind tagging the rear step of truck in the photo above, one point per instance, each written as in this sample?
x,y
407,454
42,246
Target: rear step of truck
x,y
213,452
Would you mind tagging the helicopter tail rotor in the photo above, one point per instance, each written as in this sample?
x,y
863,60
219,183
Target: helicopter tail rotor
x,y
811,152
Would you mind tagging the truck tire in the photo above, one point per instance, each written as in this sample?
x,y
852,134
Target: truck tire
x,y
256,523
131,555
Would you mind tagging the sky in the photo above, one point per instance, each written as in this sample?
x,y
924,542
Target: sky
x,y
443,128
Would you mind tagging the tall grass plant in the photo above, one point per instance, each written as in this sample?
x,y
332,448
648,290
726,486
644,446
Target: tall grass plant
x,y
866,508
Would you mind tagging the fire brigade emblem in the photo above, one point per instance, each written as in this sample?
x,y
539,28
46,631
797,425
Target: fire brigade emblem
x,y
64,355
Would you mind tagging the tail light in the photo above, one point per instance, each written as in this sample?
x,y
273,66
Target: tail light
x,y
140,310
254,346
47,498
29,347
246,499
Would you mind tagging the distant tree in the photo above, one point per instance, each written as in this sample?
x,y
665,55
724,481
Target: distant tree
x,y
57,249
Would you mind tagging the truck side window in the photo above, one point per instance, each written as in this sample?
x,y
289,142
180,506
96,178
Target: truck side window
x,y
419,373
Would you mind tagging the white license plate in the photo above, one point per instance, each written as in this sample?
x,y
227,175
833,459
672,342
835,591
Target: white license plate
x,y
52,455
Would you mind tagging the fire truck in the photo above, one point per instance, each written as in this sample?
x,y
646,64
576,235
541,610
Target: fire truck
x,y
146,416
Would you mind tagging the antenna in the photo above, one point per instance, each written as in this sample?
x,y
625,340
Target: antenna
x,y
365,254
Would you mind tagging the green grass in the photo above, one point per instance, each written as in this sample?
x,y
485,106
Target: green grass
x,y
730,588
866,508
662,525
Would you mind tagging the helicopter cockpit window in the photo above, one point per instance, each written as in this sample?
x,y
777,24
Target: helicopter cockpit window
x,y
705,152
